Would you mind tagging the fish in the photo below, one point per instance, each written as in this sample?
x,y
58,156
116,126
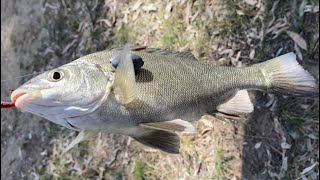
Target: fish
x,y
153,94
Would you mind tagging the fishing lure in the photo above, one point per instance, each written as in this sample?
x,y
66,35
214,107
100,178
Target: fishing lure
x,y
5,104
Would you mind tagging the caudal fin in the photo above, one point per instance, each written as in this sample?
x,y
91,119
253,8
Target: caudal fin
x,y
285,75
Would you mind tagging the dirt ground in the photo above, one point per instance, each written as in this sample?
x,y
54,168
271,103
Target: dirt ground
x,y
280,140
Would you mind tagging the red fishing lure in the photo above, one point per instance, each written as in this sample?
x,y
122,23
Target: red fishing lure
x,y
5,104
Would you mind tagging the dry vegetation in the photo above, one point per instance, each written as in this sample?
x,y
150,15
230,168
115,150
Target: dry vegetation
x,y
279,141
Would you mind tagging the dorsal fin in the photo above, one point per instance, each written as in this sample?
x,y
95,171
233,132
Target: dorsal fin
x,y
167,52
132,48
164,52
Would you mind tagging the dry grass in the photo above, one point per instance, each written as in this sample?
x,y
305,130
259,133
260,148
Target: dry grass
x,y
281,141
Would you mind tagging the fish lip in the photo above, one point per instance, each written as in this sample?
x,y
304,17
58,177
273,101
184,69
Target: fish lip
x,y
22,96
16,95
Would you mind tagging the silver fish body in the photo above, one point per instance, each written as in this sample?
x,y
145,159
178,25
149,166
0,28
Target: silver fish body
x,y
170,90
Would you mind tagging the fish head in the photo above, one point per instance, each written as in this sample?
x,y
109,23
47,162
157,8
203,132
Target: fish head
x,y
68,91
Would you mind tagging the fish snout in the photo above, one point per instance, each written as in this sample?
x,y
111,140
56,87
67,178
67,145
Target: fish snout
x,y
22,96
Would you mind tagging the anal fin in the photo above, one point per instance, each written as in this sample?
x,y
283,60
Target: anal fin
x,y
163,140
237,105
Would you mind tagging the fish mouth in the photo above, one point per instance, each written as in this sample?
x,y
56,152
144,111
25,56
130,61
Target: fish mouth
x,y
22,96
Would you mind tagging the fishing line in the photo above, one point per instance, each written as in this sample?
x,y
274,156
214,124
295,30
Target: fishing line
x,y
6,104
2,81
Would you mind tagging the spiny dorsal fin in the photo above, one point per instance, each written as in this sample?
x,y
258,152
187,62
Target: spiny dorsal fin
x,y
166,52
125,82
237,105
82,136
166,141
176,125
133,48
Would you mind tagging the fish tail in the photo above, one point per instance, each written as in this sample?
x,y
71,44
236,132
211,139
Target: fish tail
x,y
286,76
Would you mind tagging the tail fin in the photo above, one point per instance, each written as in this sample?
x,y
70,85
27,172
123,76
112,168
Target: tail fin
x,y
285,75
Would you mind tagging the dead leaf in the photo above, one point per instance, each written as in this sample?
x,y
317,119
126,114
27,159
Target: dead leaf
x,y
135,16
297,39
149,7
236,60
304,177
168,10
206,122
274,7
308,168
136,6
258,145
312,136
311,8
188,13
106,21
301,8
279,31
284,166
193,18
252,53
223,61
251,2
279,51
230,52
280,23
69,46
285,145
240,12
298,52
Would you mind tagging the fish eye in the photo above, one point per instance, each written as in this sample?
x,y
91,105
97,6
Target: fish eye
x,y
56,75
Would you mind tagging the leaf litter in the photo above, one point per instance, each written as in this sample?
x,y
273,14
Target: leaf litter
x,y
228,42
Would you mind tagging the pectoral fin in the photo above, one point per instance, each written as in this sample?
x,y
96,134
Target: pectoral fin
x,y
136,60
125,82
163,140
176,125
239,104
82,136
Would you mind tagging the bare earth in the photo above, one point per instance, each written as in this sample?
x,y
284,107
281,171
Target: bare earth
x,y
280,140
